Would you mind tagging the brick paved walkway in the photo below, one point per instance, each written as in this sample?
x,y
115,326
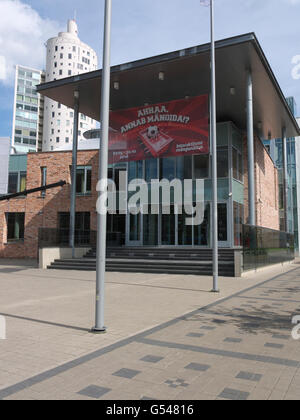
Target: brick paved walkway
x,y
237,348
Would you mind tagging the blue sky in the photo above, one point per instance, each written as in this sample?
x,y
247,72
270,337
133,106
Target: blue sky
x,y
143,28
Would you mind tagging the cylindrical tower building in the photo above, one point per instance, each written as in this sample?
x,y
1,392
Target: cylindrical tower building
x,y
66,56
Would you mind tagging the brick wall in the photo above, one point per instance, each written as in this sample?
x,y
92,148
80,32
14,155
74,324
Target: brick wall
x,y
43,212
266,187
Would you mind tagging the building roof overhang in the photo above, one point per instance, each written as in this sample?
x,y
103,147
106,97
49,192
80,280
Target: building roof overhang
x,y
187,73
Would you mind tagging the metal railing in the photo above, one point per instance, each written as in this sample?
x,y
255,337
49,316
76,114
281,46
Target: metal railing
x,y
263,247
83,238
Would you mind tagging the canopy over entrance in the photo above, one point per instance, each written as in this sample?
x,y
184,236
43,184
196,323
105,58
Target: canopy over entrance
x,y
187,73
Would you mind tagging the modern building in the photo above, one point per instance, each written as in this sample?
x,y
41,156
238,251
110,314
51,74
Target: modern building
x,y
66,56
28,114
276,150
165,88
4,159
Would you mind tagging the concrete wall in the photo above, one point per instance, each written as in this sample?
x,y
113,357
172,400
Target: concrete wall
x,y
49,255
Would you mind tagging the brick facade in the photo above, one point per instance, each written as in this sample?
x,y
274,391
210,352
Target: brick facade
x,y
43,211
266,187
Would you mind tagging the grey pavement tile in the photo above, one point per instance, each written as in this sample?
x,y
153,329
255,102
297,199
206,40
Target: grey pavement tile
x,y
177,383
152,359
233,394
198,367
274,346
127,373
195,335
207,328
94,391
281,337
248,376
232,340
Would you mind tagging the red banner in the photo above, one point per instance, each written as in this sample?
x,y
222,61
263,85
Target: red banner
x,y
176,128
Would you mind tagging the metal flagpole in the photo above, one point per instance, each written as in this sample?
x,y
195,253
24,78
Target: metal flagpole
x,y
213,123
103,170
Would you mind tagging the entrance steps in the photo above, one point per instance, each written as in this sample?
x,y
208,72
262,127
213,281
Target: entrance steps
x,y
194,261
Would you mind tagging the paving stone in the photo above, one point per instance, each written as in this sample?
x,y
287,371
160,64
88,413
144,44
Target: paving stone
x,y
233,394
232,340
152,359
208,328
94,391
195,335
197,367
248,376
274,346
127,373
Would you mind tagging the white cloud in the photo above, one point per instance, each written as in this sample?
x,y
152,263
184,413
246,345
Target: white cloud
x,y
2,68
23,33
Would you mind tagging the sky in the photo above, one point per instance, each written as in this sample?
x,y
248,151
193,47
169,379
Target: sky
x,y
143,28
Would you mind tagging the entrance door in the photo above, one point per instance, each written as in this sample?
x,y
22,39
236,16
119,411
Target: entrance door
x,y
223,233
134,230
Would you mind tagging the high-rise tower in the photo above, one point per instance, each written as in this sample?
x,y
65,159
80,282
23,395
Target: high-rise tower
x,y
66,56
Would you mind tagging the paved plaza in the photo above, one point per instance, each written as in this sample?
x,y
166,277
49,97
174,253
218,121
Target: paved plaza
x,y
168,336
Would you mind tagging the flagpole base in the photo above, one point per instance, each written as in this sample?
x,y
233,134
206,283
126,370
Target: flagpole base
x,y
98,330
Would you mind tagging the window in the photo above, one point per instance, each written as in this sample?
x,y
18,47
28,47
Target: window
x,y
16,182
61,55
55,64
60,72
69,72
53,114
56,48
223,162
57,139
74,49
67,140
201,166
15,226
70,56
84,180
237,165
43,179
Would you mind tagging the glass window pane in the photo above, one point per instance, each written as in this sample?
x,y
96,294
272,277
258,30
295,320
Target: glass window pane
x,y
222,218
202,232
235,163
88,180
167,168
13,183
80,181
150,170
223,163
22,181
201,166
184,167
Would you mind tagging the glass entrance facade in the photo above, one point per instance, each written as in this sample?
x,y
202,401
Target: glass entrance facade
x,y
168,228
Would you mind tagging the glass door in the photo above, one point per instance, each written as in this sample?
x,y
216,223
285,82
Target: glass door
x,y
223,232
134,230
